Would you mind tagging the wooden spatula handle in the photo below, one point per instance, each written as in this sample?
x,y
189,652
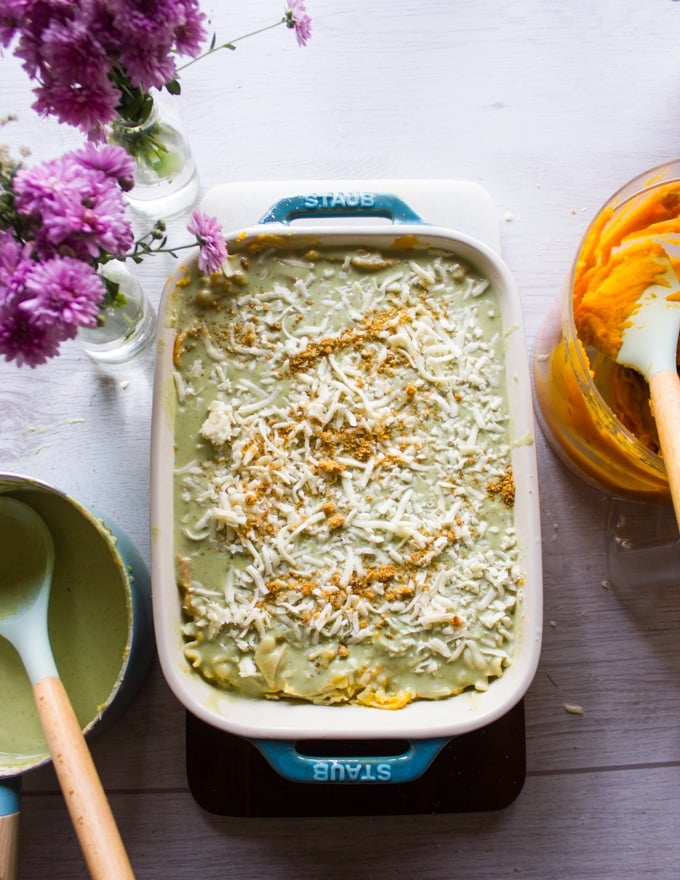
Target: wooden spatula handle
x,y
9,846
665,392
82,789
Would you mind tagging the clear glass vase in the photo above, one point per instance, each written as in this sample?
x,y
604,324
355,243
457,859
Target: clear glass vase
x,y
126,326
166,180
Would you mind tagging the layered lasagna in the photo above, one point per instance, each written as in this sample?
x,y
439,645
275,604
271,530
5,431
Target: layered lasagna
x,y
343,483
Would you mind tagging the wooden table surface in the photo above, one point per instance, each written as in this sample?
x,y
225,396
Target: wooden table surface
x,y
551,106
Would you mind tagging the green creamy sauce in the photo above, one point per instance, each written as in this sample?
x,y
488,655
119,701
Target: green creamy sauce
x,y
19,568
261,334
88,627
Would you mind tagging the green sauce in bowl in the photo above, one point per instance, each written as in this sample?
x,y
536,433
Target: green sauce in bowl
x,y
89,625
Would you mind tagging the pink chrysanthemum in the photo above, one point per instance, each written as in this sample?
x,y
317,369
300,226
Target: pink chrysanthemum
x,y
68,50
63,292
112,161
213,247
297,18
15,263
75,207
85,57
22,341
12,12
151,35
90,107
42,304
190,34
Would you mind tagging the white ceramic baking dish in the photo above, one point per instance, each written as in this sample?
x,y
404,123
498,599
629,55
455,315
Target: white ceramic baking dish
x,y
284,730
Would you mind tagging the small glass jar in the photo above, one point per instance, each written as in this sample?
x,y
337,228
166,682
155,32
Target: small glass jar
x,y
166,179
579,390
127,326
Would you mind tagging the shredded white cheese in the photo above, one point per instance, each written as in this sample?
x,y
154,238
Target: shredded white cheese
x,y
344,497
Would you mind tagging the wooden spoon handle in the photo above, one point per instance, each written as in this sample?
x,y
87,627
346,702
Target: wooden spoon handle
x,y
82,789
9,846
665,392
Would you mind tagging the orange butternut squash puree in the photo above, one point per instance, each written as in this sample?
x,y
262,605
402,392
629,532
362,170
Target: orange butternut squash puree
x,y
623,254
593,437
598,412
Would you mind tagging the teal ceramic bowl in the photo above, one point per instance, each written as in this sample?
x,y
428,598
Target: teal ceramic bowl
x,y
100,626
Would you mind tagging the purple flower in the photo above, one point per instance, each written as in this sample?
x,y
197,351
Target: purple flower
x,y
86,57
22,341
68,50
63,292
296,17
148,69
213,247
113,162
151,34
71,67
90,107
14,264
12,12
190,34
42,304
75,205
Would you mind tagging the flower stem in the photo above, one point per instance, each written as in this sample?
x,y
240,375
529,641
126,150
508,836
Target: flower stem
x,y
231,43
135,104
154,242
166,250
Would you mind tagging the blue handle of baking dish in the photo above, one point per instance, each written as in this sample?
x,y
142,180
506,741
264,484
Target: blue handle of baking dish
x,y
341,204
10,795
406,766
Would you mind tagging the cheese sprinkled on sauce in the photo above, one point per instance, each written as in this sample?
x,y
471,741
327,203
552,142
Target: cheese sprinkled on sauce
x,y
343,489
